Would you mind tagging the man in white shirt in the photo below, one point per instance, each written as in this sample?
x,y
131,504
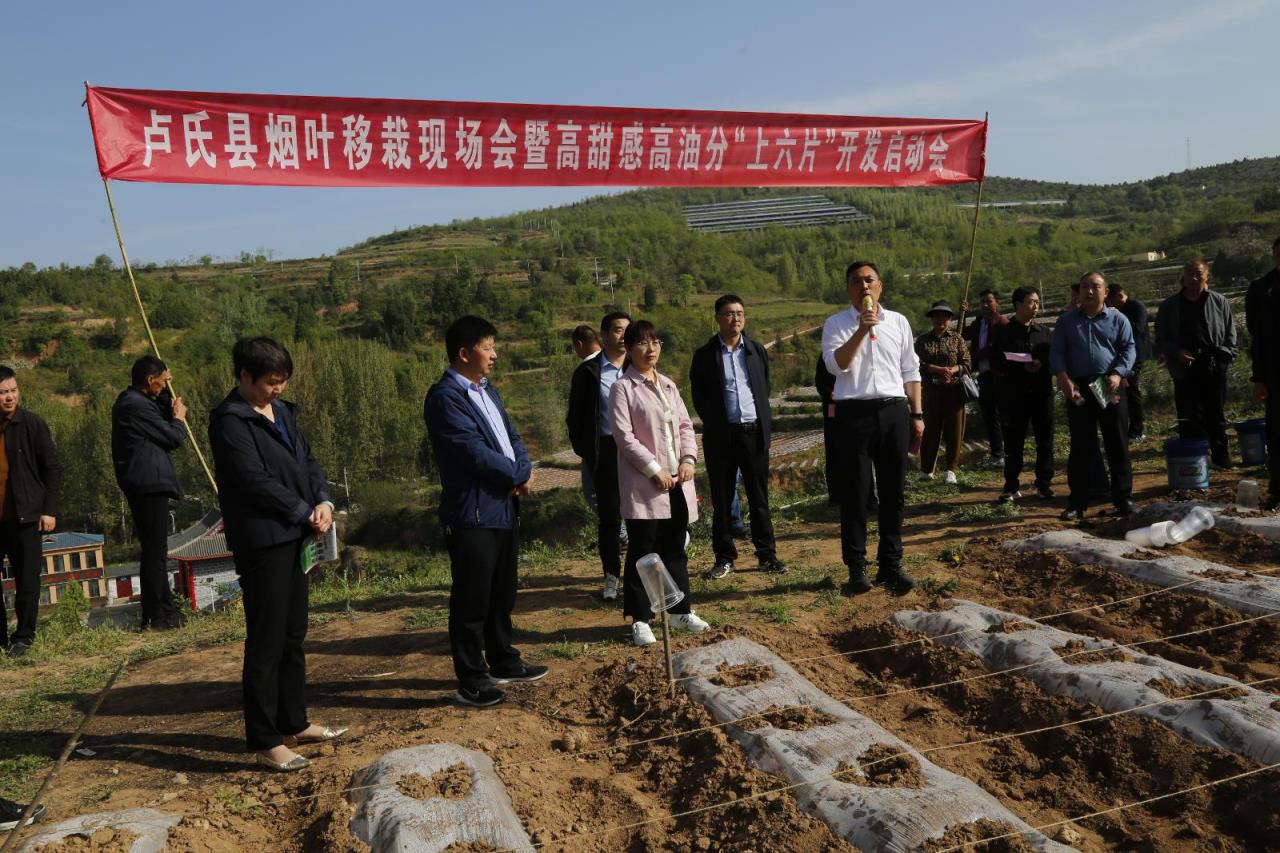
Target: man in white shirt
x,y
871,353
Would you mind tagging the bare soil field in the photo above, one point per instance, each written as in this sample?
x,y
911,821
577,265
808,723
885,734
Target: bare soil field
x,y
599,756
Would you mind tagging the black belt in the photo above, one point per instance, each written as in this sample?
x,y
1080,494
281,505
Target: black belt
x,y
872,403
754,426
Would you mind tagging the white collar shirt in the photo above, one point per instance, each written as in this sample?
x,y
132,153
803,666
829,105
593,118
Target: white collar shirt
x,y
880,367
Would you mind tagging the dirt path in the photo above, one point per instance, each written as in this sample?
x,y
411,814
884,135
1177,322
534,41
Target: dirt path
x,y
169,735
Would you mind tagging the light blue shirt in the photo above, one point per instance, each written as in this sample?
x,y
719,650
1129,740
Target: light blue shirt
x,y
481,400
608,375
739,403
1092,346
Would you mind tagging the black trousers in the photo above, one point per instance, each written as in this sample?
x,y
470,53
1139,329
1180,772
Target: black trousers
x,y
943,420
742,449
275,668
482,564
989,405
872,435
151,523
1137,417
664,537
608,507
1201,400
21,544
1022,410
1084,422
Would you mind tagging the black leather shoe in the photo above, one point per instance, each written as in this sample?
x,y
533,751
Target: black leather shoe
x,y
1044,493
896,581
857,583
720,570
1071,514
527,672
17,649
1125,508
481,697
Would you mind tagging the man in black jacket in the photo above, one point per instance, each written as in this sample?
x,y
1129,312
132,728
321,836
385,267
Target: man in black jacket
x,y
1022,349
1262,314
729,384
147,423
30,478
1137,314
592,439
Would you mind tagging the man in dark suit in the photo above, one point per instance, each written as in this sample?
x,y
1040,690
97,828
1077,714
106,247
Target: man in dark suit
x,y
484,471
1136,313
147,424
30,477
981,335
592,438
729,384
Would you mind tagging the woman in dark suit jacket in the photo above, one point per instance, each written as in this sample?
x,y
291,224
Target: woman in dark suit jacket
x,y
274,497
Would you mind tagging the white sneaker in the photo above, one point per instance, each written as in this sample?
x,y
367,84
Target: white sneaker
x,y
642,635
949,478
612,583
922,477
690,622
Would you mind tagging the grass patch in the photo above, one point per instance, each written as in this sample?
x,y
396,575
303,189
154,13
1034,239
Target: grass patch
x,y
982,512
426,617
19,776
952,555
567,650
776,612
236,802
939,587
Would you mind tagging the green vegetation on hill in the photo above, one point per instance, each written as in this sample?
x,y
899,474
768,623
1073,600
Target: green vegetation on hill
x,y
364,325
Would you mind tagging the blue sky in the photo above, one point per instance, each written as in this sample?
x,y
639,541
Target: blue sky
x,y
1089,91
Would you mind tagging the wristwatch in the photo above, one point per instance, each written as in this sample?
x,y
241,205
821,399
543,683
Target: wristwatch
x,y
917,416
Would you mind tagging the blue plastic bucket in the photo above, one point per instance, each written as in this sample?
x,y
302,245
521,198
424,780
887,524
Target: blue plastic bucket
x,y
1253,441
1187,461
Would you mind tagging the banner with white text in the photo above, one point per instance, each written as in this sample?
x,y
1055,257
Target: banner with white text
x,y
292,140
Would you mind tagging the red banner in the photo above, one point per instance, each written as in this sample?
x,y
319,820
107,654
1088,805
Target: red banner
x,y
212,138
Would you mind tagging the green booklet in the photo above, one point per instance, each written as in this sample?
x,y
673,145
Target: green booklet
x,y
1101,393
319,549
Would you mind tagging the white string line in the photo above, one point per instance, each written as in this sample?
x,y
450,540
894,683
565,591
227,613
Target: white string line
x,y
964,631
730,722
886,694
1118,808
833,776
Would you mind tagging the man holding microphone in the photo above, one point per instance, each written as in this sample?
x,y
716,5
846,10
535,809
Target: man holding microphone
x,y
871,353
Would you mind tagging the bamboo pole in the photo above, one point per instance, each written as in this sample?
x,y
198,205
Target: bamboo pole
x,y
973,239
62,760
146,324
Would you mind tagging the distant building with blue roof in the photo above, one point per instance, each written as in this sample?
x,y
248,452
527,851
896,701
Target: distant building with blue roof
x,y
69,557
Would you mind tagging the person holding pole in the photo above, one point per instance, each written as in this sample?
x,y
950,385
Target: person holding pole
x,y
656,454
591,436
944,359
147,424
729,383
869,349
1091,355
30,482
274,496
484,471
1026,394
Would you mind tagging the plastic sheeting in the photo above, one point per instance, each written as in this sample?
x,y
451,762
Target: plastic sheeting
x,y
149,825
895,819
1247,725
1256,595
389,820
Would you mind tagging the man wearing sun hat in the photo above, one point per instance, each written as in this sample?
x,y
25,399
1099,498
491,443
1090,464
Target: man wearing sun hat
x,y
944,360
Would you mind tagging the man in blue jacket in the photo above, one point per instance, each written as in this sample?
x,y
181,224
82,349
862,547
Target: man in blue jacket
x,y
147,423
484,471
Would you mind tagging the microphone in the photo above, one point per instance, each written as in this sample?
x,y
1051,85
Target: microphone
x,y
868,304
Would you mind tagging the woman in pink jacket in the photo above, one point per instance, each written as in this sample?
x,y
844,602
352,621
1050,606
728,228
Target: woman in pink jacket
x,y
656,455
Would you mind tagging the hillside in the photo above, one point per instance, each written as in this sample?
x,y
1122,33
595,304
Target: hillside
x,y
364,324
